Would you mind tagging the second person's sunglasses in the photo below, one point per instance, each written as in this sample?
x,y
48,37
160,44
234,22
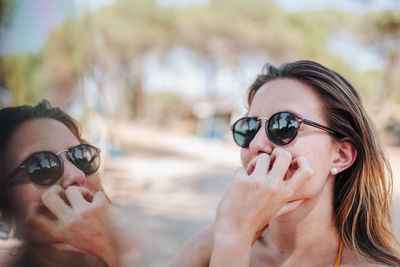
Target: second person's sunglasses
x,y
46,168
281,128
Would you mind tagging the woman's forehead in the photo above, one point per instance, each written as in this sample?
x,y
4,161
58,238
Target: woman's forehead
x,y
286,95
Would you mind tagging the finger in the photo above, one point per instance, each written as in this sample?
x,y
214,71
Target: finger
x,y
108,198
261,166
75,197
288,207
251,165
240,173
85,193
100,198
65,247
55,203
300,176
281,164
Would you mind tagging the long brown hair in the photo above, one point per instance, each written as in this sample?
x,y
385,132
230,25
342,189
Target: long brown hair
x,y
363,192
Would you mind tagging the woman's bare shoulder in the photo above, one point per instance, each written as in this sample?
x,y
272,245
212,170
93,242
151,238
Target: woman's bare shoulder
x,y
197,251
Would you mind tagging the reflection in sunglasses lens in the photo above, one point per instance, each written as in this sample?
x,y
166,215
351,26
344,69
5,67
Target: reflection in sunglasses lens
x,y
245,130
282,128
44,168
86,158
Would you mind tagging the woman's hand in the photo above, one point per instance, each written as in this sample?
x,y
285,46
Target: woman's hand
x,y
78,220
255,197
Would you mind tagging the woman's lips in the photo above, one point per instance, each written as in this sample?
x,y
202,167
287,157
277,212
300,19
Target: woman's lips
x,y
292,167
86,193
250,169
252,165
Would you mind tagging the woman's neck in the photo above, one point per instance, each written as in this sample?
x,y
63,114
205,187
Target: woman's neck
x,y
309,230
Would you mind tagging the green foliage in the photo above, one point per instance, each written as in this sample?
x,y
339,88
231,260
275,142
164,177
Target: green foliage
x,y
7,8
383,23
24,77
383,30
66,55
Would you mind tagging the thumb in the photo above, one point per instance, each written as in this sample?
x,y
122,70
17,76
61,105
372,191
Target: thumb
x,y
288,207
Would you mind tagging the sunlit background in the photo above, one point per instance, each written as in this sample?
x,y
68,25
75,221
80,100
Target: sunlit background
x,y
156,85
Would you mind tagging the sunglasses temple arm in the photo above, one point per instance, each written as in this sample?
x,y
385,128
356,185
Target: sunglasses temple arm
x,y
12,174
319,126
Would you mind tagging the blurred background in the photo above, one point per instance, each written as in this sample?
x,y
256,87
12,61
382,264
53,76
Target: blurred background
x,y
156,84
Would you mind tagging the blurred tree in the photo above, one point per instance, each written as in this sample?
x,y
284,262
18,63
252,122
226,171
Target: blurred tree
x,y
27,90
125,33
66,56
110,45
7,8
383,30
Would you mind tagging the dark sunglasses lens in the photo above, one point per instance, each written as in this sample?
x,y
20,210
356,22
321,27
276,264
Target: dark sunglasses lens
x,y
282,128
86,158
44,168
244,131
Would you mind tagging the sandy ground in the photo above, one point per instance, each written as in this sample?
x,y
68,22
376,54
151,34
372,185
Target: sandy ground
x,y
168,185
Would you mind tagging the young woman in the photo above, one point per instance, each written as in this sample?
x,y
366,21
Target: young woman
x,y
315,186
50,190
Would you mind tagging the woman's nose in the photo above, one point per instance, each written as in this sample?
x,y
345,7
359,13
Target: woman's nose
x,y
72,175
261,143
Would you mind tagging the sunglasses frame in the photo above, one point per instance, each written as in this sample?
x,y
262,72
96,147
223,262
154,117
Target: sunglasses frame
x,y
298,119
23,167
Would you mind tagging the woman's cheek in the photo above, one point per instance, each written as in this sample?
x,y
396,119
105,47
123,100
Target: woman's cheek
x,y
245,157
22,196
313,187
93,182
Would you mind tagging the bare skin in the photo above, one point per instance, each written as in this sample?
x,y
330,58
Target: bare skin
x,y
234,231
81,225
67,224
288,188
197,250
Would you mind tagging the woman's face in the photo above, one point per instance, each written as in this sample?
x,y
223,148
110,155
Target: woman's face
x,y
314,144
42,135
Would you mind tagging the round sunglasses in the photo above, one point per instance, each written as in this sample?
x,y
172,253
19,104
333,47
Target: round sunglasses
x,y
281,128
46,168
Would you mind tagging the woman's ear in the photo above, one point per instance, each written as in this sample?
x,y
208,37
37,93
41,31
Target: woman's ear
x,y
346,155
